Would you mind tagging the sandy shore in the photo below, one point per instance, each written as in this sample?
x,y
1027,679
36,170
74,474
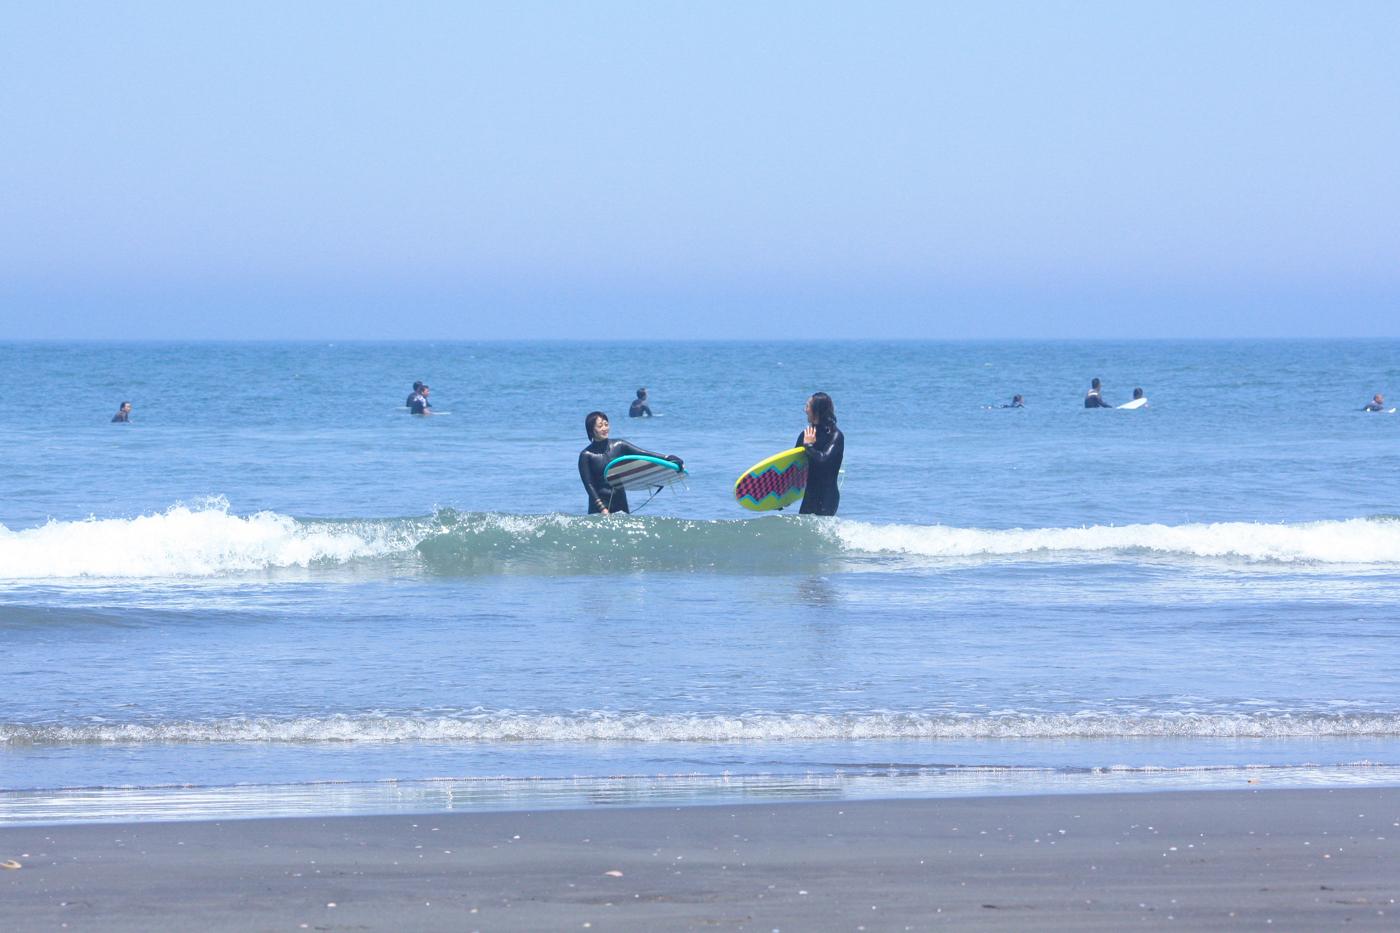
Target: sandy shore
x,y
1232,860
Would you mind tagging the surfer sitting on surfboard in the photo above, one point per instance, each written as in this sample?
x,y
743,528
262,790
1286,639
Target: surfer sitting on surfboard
x,y
640,408
1094,397
1376,404
826,448
593,462
418,402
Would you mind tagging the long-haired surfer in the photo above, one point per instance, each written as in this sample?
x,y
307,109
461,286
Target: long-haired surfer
x,y
593,462
124,412
826,448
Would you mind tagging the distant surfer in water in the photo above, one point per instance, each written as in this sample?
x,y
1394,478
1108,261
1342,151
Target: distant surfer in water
x,y
593,462
826,448
640,408
1094,397
1016,402
1137,394
124,412
418,401
1376,404
416,387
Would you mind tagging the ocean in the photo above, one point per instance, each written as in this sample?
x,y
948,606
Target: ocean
x,y
276,592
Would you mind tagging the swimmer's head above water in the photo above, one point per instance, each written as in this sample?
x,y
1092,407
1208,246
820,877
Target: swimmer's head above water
x,y
642,394
1095,384
1137,393
597,426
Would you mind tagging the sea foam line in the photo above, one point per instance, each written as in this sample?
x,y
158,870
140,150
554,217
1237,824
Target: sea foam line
x,y
513,727
1354,541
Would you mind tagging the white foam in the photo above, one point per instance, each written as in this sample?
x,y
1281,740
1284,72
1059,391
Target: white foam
x,y
1355,541
507,726
182,541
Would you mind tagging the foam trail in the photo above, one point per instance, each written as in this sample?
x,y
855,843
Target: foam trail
x,y
508,726
1355,541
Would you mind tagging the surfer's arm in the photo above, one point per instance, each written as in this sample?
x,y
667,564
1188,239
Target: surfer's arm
x,y
585,474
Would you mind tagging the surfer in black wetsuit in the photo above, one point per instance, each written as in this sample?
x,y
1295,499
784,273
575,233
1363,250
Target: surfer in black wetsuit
x,y
418,403
1376,404
593,461
416,386
124,412
826,448
640,408
1094,397
1016,402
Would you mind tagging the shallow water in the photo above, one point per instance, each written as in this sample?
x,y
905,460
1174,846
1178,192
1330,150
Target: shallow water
x,y
276,579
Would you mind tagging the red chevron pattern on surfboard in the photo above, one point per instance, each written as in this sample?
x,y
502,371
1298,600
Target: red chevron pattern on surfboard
x,y
772,483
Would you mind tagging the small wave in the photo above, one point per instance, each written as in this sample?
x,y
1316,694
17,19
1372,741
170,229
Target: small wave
x,y
501,726
183,541
207,540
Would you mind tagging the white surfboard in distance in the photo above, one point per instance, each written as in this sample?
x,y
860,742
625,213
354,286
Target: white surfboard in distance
x,y
1135,403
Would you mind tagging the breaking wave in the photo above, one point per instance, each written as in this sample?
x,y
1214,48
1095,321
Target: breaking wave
x,y
506,726
207,540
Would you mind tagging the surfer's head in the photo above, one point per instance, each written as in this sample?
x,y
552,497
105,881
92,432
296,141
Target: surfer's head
x,y
1016,399
417,386
1095,384
1379,398
1137,393
596,424
820,409
641,393
126,406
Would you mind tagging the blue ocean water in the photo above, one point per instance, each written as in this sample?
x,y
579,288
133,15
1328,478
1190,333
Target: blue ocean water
x,y
275,591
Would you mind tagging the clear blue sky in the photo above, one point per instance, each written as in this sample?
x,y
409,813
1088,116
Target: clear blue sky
x,y
423,170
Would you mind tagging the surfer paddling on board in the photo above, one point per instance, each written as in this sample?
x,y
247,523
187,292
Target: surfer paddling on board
x,y
1376,404
826,448
1016,402
640,408
1094,397
124,413
593,460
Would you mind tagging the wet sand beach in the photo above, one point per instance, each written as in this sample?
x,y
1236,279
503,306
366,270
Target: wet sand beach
x,y
1230,860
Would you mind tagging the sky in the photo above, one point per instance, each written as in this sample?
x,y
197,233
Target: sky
x,y
699,170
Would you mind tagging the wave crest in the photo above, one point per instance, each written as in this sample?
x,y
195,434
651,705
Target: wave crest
x,y
205,540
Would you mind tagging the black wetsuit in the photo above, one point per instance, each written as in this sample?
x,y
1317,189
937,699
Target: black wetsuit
x,y
639,409
418,405
1374,406
1014,405
121,416
1094,400
824,457
594,459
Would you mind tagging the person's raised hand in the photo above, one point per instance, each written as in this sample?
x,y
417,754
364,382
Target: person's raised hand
x,y
809,436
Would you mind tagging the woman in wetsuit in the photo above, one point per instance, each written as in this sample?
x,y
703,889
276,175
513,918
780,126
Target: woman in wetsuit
x,y
826,447
593,460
